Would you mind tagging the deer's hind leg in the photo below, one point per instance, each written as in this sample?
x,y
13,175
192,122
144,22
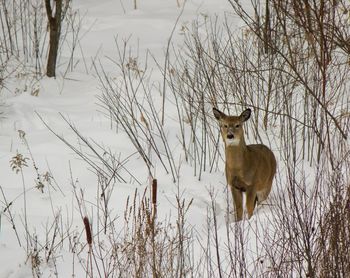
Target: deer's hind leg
x,y
264,193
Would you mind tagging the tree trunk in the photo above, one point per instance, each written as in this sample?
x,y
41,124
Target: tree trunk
x,y
55,33
53,51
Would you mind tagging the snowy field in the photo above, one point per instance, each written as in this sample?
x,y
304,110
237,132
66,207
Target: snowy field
x,y
43,202
75,97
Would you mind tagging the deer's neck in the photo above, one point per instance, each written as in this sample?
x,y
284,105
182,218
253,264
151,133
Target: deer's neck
x,y
236,155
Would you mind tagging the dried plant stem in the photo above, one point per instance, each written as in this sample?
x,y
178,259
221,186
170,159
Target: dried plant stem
x,y
7,208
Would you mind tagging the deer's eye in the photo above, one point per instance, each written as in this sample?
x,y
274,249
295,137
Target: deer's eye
x,y
237,126
225,126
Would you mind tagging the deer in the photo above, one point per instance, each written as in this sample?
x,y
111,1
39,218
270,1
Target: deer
x,y
249,169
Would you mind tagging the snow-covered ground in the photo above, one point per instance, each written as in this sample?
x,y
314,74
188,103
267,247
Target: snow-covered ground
x,y
75,97
70,186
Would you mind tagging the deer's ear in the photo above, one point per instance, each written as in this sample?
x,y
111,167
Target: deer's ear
x,y
245,115
218,114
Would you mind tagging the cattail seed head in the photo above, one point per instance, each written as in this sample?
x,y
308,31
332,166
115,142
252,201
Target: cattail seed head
x,y
87,230
154,191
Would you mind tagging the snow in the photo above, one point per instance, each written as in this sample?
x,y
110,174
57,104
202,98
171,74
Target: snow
x,y
74,97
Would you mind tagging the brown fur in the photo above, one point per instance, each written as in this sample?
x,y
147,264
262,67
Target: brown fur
x,y
249,168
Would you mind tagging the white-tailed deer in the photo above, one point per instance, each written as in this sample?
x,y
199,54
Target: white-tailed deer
x,y
249,168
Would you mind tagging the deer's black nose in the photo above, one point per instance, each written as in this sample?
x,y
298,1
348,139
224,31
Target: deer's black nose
x,y
229,136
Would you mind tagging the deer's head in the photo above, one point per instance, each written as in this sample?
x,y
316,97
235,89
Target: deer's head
x,y
231,127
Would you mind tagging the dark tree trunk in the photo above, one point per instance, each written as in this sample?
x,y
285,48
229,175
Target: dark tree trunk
x,y
55,33
53,50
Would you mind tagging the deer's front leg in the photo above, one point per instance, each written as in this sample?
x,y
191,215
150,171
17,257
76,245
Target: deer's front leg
x,y
251,200
239,184
238,202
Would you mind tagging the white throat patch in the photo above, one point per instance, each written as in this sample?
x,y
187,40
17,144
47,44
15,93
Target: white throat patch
x,y
232,142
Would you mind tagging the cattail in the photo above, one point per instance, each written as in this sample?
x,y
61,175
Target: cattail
x,y
87,230
154,192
